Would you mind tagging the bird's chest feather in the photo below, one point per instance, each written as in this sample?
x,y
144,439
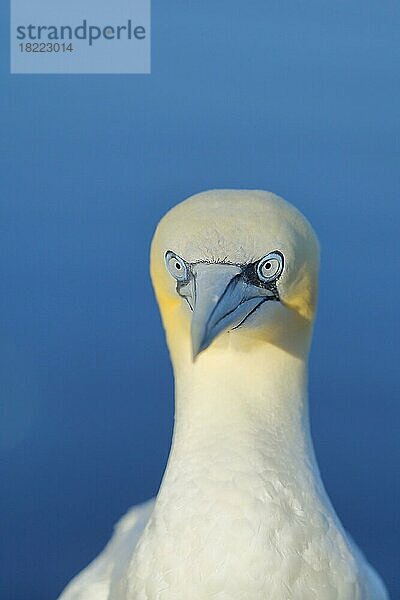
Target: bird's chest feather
x,y
243,535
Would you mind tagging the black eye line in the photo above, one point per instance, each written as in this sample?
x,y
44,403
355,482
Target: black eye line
x,y
237,264
249,271
180,262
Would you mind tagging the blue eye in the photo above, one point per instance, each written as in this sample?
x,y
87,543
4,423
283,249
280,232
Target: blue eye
x,y
176,266
270,267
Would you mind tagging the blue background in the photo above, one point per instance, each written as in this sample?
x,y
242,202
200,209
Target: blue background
x,y
301,98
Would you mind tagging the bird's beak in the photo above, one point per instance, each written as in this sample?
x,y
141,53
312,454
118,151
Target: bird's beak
x,y
222,301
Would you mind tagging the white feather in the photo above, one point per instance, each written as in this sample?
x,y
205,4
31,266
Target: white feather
x,y
242,513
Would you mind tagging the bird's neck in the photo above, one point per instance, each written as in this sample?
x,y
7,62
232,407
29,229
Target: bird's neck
x,y
242,412
241,500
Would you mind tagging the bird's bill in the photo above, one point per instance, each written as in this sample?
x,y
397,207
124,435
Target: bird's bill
x,y
223,301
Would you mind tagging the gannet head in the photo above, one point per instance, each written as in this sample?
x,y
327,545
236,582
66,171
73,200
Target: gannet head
x,y
234,267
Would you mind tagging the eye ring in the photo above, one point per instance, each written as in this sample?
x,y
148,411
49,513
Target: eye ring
x,y
176,266
270,267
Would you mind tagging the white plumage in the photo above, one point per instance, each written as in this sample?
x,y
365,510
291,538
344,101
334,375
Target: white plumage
x,y
242,513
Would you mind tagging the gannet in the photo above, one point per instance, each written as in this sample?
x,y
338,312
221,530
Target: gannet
x,y
242,513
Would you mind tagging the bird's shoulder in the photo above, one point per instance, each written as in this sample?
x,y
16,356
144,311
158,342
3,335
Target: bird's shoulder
x,y
93,583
